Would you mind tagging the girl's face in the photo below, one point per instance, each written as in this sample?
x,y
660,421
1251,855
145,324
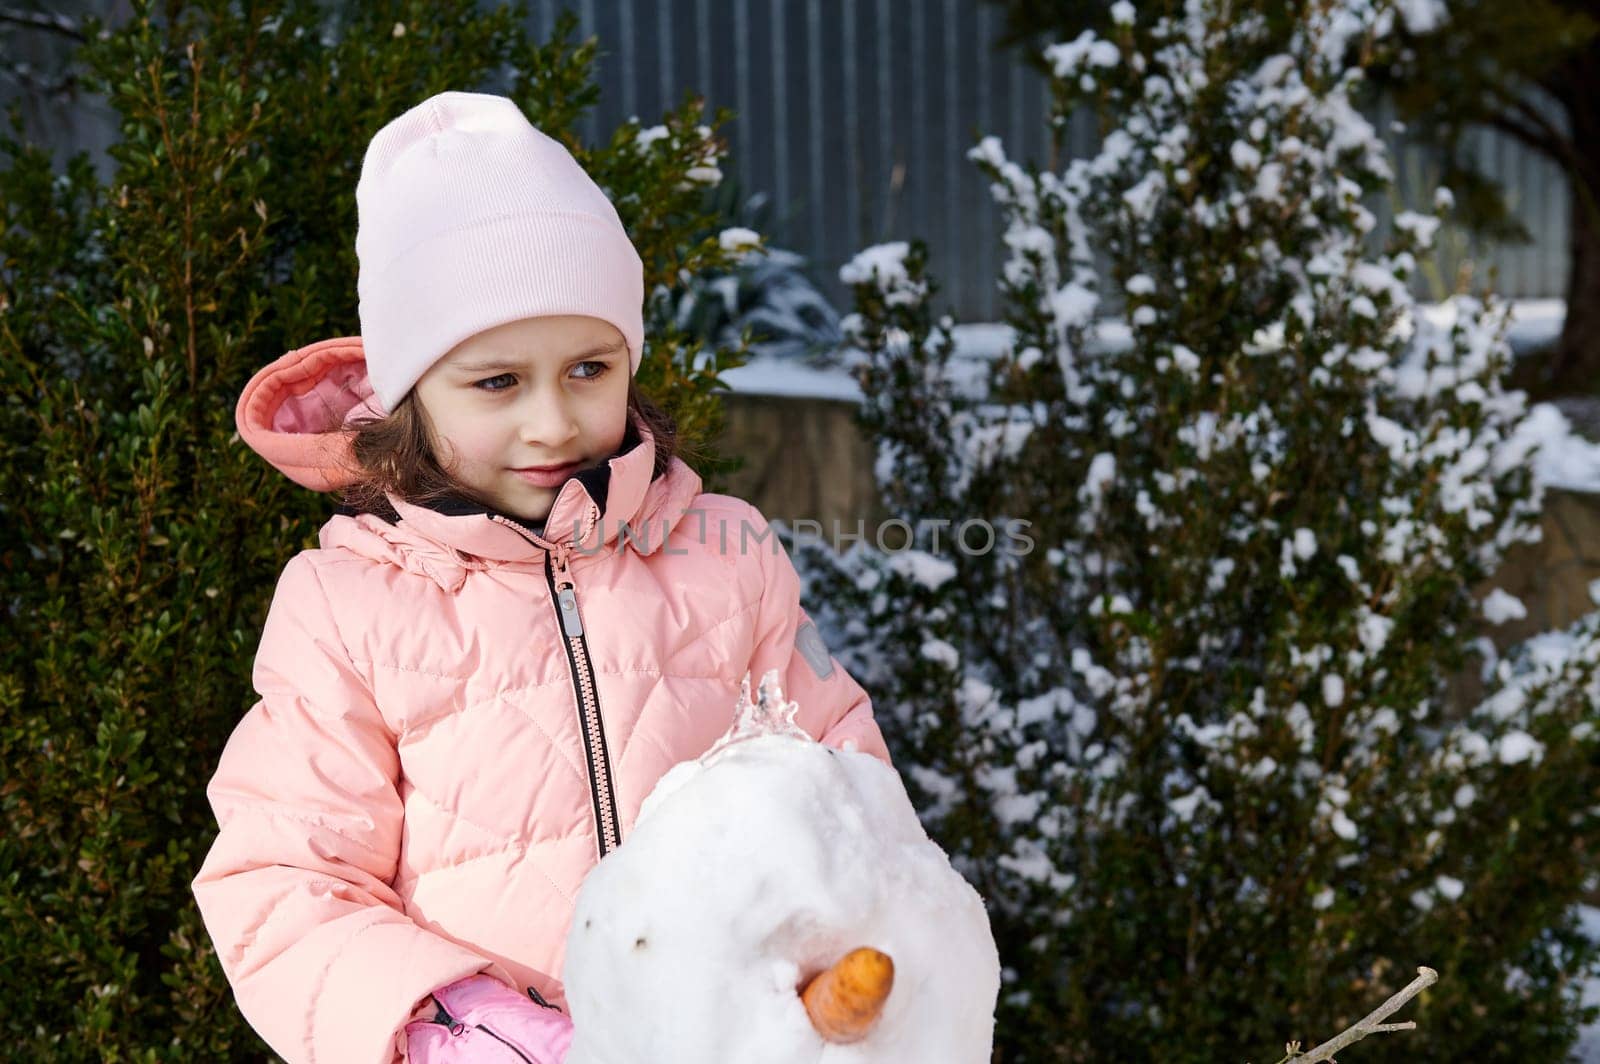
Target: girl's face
x,y
545,391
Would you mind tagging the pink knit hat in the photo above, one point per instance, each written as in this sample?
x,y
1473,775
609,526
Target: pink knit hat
x,y
468,217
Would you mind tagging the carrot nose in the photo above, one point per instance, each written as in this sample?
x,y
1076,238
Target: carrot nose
x,y
845,1001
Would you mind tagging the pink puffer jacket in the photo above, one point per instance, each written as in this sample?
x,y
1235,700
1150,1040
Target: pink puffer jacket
x,y
455,723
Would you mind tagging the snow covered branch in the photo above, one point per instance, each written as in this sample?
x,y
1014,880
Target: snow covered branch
x,y
1261,513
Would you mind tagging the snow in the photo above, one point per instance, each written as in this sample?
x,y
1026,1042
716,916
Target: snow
x,y
922,567
1333,689
1499,606
1102,471
942,653
1534,322
752,869
1423,16
737,238
1245,156
1391,436
1300,723
1351,570
1116,606
1183,808
1516,747
1415,382
1069,57
1073,304
770,375
1141,198
646,137
1186,360
885,266
1423,227
1564,459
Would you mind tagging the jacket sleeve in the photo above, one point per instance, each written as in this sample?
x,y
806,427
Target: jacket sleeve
x,y
833,706
296,892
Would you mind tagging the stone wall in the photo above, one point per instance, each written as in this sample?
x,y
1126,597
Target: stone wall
x,y
1551,577
803,458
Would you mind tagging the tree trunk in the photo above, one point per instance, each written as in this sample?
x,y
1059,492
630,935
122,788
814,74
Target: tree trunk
x,y
1575,367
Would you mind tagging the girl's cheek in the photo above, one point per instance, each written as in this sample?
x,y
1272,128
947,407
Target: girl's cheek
x,y
618,419
473,446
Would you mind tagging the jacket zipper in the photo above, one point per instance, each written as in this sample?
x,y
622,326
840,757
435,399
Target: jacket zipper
x,y
602,790
507,1043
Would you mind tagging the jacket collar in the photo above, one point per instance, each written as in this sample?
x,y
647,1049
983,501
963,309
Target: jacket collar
x,y
596,481
587,516
294,413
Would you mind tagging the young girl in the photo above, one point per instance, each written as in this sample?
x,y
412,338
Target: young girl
x,y
524,612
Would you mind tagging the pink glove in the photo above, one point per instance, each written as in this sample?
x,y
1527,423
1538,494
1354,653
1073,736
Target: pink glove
x,y
489,1023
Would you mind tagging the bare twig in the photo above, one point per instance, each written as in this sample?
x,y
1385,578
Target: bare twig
x,y
1371,1024
40,20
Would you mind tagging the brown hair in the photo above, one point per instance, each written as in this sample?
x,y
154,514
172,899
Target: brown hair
x,y
394,454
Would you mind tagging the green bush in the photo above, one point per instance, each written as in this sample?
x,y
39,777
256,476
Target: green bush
x,y
140,538
1193,745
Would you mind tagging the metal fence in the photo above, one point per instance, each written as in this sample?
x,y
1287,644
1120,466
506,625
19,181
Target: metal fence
x,y
853,118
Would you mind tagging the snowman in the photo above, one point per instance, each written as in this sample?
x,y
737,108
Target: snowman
x,y
778,902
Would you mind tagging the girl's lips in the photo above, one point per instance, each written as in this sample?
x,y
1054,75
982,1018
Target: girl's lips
x,y
547,478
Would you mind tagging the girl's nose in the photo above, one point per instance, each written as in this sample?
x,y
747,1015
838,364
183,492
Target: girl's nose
x,y
548,419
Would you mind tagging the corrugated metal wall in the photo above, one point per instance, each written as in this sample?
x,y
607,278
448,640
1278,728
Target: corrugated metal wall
x,y
854,116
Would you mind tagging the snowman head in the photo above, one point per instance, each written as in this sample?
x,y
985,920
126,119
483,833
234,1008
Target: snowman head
x,y
748,873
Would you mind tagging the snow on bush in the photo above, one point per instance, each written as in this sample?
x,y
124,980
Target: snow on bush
x,y
1194,747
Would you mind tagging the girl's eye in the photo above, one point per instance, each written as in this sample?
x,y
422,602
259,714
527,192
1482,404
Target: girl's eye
x,y
598,369
486,380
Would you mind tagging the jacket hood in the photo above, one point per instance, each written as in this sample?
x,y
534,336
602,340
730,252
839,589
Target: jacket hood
x,y
295,412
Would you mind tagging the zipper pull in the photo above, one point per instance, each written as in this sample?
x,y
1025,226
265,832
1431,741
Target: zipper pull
x,y
566,597
526,533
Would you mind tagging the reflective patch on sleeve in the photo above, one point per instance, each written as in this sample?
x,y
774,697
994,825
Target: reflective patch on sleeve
x,y
809,642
